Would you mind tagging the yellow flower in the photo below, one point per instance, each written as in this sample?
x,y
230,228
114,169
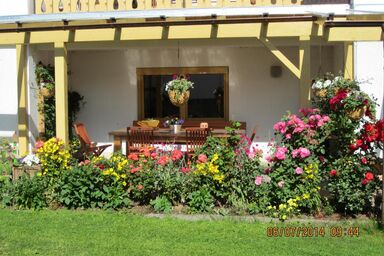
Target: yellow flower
x,y
306,196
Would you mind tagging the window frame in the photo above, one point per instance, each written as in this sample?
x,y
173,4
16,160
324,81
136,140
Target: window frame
x,y
183,111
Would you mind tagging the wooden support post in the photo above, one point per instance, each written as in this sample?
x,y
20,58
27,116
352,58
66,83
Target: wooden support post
x,y
305,71
349,61
22,91
61,91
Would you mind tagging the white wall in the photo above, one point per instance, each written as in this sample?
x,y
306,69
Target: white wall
x,y
8,71
369,58
107,79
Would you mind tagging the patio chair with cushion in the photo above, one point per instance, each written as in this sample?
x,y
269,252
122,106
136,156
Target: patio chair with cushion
x,y
87,147
195,138
139,137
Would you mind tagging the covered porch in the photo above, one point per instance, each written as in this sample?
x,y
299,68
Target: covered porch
x,y
102,60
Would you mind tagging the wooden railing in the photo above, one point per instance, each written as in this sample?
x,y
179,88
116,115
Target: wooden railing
x,y
65,6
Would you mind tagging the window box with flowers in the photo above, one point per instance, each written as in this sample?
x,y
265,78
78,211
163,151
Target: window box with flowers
x,y
178,89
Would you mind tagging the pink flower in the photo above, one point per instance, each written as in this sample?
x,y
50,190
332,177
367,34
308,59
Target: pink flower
x,y
266,178
326,119
299,170
302,152
280,153
39,144
333,173
140,187
258,180
251,155
163,160
288,136
185,169
280,127
364,182
202,158
176,155
268,158
281,184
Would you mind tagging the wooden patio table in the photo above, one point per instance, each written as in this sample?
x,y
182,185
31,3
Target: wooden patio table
x,y
164,135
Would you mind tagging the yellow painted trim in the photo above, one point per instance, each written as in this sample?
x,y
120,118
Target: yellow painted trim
x,y
280,56
61,91
348,60
22,112
305,71
341,34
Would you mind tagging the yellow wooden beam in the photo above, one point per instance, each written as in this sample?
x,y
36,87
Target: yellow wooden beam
x,y
349,60
305,71
22,113
280,56
61,91
349,34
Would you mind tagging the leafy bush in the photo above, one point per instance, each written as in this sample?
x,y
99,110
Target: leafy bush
x,y
162,204
201,201
85,186
29,193
352,184
293,180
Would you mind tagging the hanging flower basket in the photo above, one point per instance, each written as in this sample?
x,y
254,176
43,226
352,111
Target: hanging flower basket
x,y
178,89
47,93
178,99
358,113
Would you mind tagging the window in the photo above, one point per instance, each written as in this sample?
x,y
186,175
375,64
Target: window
x,y
208,99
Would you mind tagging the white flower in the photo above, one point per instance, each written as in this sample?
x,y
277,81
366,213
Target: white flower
x,y
338,78
317,85
30,160
327,83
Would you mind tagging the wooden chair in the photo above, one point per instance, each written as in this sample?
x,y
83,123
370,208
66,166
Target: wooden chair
x,y
195,138
87,147
139,137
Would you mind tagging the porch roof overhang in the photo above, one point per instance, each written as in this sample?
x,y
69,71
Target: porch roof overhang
x,y
189,24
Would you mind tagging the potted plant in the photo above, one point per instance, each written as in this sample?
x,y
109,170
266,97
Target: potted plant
x,y
45,79
174,123
357,103
178,89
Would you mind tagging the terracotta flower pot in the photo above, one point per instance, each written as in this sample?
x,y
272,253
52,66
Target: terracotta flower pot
x,y
47,93
358,113
178,99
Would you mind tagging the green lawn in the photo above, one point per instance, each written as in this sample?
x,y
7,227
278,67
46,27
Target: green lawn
x,y
66,232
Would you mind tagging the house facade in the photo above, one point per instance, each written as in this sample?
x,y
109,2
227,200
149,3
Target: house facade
x,y
250,60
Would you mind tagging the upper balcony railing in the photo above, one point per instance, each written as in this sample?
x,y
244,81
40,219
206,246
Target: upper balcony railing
x,y
66,6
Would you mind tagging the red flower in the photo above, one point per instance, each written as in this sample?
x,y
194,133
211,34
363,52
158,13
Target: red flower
x,y
101,167
364,182
135,169
163,160
364,160
333,173
352,147
369,176
202,158
133,157
176,155
359,143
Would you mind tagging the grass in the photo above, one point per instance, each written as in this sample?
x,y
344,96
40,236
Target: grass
x,y
64,232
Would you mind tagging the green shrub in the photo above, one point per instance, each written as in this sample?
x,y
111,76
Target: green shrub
x,y
201,201
162,204
29,193
86,187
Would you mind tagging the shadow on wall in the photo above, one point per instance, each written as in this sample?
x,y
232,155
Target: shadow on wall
x,y
8,125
